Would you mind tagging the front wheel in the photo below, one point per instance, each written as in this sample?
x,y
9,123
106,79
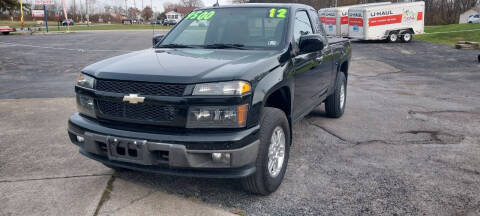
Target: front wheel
x,y
273,153
392,37
335,103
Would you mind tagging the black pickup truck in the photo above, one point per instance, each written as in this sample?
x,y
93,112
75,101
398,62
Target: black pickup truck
x,y
216,97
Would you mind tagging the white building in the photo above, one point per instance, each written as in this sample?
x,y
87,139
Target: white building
x,y
464,16
172,15
178,13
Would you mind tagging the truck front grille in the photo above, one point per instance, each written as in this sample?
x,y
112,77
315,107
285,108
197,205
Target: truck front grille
x,y
139,112
143,88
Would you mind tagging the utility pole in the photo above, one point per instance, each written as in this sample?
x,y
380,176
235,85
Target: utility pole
x,y
126,9
74,11
88,19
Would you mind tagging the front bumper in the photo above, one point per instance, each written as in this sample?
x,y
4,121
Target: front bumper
x,y
175,154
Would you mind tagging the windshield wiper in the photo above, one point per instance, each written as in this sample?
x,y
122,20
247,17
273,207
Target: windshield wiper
x,y
224,46
174,46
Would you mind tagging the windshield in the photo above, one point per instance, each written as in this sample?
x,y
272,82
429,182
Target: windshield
x,y
223,28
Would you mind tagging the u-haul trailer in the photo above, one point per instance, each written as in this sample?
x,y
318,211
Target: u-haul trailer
x,y
335,19
391,22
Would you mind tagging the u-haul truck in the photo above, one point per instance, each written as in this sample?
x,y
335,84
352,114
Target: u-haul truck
x,y
393,22
335,20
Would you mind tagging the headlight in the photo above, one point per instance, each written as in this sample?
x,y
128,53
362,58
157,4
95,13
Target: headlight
x,y
222,88
217,116
85,81
85,105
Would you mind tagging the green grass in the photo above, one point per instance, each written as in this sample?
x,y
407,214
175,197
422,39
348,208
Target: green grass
x,y
453,37
52,26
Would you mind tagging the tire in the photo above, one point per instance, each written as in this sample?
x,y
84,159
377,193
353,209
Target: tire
x,y
392,37
407,37
5,33
335,103
265,181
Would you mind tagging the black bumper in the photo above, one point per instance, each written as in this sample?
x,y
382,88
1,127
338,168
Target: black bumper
x,y
174,154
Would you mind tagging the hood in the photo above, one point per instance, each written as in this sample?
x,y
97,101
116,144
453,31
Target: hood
x,y
185,65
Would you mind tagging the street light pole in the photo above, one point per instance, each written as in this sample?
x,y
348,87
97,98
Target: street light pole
x,y
88,18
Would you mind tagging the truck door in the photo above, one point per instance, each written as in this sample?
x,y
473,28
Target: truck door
x,y
311,69
324,60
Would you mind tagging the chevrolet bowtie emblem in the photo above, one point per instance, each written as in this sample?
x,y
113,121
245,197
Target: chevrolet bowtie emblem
x,y
133,98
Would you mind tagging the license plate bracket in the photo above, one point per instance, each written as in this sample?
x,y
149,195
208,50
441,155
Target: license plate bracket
x,y
127,150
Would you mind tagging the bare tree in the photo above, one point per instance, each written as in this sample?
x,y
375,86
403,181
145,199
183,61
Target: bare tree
x,y
192,3
147,13
170,5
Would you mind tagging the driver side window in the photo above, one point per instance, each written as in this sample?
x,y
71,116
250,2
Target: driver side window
x,y
302,25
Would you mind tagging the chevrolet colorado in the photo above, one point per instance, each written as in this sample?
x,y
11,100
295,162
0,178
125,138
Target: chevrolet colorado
x,y
216,97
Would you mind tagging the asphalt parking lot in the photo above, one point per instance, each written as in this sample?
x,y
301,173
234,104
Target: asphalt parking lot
x,y
408,144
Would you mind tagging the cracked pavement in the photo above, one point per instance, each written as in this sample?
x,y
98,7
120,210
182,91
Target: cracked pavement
x,y
408,144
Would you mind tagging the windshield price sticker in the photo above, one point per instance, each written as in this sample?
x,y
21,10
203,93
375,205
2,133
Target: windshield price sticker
x,y
277,13
200,15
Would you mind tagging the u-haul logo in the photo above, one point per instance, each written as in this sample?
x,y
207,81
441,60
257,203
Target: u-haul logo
x,y
381,13
352,14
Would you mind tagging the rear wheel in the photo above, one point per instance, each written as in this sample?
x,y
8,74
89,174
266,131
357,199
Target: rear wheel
x,y
392,37
273,153
407,36
5,33
335,103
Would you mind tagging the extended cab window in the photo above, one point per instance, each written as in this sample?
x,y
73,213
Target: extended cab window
x,y
302,25
261,28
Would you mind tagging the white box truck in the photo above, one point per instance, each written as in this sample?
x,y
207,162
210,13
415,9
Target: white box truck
x,y
335,19
394,22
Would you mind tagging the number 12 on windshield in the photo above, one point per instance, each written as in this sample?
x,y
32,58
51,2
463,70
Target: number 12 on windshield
x,y
277,13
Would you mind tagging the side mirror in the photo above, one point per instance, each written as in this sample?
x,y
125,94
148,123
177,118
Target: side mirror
x,y
156,39
310,43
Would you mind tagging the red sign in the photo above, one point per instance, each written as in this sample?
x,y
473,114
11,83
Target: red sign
x,y
355,21
37,13
420,16
344,20
384,20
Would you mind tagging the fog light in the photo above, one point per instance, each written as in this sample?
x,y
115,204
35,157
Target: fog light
x,y
80,139
221,157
